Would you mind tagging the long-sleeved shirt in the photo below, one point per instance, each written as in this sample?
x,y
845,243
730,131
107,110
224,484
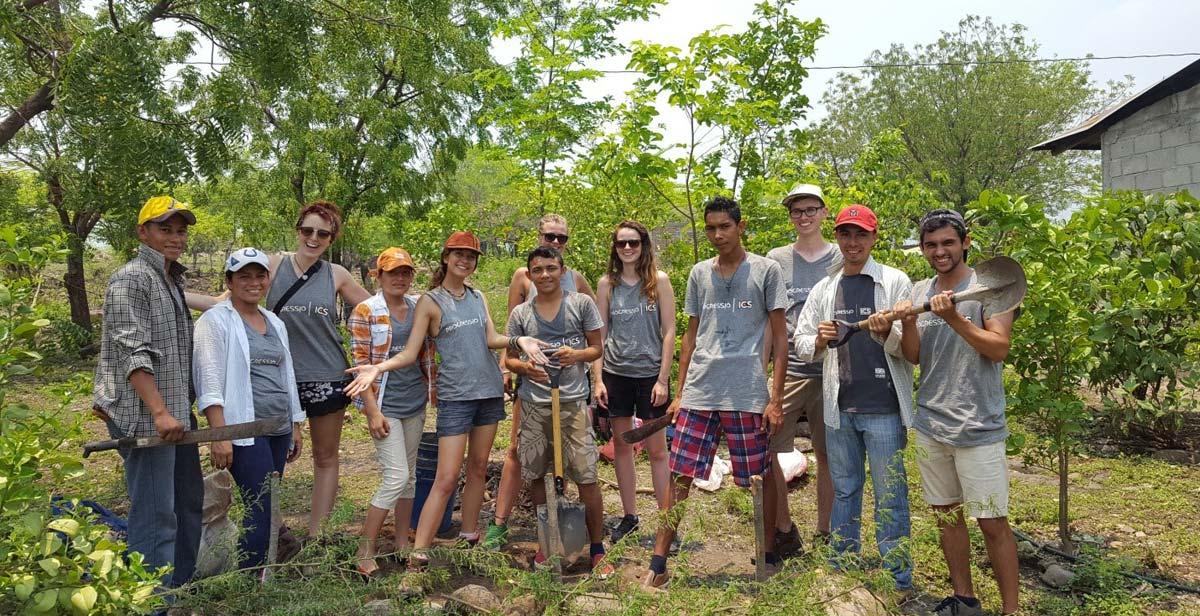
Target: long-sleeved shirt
x,y
221,365
891,286
147,326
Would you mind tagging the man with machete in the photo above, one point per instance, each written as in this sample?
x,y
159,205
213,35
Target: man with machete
x,y
570,325
730,300
867,388
143,387
959,423
805,262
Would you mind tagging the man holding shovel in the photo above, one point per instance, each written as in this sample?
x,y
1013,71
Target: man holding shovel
x,y
867,387
143,387
960,426
730,301
570,324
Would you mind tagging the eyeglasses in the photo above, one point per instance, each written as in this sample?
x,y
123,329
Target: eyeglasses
x,y
556,238
628,243
805,211
309,231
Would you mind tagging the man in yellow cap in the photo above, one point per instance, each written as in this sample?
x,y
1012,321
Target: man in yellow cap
x,y
143,387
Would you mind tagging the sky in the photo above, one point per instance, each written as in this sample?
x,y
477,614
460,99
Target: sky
x,y
1063,28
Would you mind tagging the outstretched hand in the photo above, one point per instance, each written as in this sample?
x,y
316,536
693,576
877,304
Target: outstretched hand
x,y
364,377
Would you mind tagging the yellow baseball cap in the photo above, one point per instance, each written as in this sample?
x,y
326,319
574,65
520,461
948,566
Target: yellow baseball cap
x,y
162,207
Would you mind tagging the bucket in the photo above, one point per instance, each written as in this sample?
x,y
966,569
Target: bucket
x,y
427,454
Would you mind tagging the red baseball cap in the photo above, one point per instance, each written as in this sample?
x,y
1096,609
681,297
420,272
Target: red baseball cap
x,y
463,240
860,216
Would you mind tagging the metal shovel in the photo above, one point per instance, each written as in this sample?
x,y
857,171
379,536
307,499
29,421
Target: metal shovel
x,y
562,524
1000,288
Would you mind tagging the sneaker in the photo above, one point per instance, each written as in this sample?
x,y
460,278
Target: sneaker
x,y
788,544
628,524
496,537
953,606
655,581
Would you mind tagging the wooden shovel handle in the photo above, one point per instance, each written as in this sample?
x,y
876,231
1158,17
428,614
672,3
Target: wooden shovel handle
x,y
556,424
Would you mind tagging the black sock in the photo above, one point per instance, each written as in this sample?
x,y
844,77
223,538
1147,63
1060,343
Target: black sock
x,y
969,601
597,548
658,564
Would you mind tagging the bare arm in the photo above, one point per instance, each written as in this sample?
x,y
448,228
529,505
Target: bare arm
x,y
773,413
666,322
364,376
992,341
603,294
687,347
352,293
202,302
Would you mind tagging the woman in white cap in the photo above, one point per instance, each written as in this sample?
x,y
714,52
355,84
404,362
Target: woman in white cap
x,y
242,370
395,405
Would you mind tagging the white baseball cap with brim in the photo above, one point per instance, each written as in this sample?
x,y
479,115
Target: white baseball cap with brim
x,y
804,190
246,256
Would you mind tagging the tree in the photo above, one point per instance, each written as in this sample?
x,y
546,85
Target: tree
x,y
539,111
968,107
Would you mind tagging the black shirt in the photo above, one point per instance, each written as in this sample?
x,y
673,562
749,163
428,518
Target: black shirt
x,y
865,383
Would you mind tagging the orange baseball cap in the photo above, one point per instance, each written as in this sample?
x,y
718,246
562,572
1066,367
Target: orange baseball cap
x,y
860,216
391,258
463,240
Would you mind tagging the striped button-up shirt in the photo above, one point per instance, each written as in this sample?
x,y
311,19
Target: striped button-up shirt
x,y
147,326
891,286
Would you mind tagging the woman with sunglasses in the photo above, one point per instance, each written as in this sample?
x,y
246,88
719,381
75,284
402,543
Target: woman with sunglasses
x,y
637,304
552,233
470,392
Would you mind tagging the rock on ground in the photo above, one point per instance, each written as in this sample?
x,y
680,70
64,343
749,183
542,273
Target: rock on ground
x,y
472,599
596,603
856,602
1057,576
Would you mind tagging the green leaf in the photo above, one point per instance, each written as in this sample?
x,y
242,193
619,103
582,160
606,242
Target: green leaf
x,y
50,565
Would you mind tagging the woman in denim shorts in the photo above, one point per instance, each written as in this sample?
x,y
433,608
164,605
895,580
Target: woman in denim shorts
x,y
470,393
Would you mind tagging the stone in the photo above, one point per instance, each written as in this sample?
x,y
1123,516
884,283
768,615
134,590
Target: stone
x,y
525,605
1026,550
1057,576
1124,528
472,599
1174,456
596,603
1140,535
380,607
857,602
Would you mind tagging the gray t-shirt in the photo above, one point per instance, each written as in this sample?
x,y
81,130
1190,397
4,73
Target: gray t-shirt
x,y
633,347
726,373
799,276
311,320
468,370
960,395
577,315
865,384
268,383
404,393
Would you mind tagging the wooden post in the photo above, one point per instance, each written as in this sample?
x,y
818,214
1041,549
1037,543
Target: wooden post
x,y
760,530
273,540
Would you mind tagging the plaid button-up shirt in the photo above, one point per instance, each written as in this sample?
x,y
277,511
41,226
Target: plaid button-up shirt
x,y
147,326
371,341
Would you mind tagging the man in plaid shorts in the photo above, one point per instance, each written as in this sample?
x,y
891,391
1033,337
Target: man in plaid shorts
x,y
730,300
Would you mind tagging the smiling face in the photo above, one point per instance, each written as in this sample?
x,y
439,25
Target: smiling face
x,y
943,249
460,262
168,237
396,282
551,234
629,245
855,244
723,233
546,274
249,285
806,214
313,235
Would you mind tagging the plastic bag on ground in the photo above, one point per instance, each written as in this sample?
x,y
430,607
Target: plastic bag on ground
x,y
793,463
716,476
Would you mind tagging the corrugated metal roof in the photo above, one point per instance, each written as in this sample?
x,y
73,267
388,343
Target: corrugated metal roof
x,y
1086,136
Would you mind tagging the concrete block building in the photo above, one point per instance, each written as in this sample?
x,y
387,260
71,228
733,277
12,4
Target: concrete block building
x,y
1149,141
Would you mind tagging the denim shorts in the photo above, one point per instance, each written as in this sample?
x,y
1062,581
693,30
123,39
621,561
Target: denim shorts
x,y
456,417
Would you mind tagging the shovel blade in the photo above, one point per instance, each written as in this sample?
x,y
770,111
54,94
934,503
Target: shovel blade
x,y
572,530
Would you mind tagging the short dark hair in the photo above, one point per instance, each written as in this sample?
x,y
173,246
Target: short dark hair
x,y
723,204
544,252
940,218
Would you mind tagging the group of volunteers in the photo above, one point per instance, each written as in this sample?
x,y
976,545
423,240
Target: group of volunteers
x,y
760,354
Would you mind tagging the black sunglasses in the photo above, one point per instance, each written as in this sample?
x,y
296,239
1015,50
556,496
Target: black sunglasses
x,y
628,243
309,231
556,238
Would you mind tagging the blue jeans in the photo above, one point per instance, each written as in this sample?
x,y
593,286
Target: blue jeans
x,y
251,469
166,497
880,440
455,417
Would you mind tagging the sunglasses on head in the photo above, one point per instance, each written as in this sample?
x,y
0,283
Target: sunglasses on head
x,y
628,243
556,238
309,231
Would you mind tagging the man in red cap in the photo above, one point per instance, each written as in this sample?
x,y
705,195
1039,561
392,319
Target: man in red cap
x,y
867,388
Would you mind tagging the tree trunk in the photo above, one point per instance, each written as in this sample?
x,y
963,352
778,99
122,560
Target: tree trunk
x,y
1064,520
76,284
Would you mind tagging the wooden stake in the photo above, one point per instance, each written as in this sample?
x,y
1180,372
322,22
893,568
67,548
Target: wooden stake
x,y
760,530
276,521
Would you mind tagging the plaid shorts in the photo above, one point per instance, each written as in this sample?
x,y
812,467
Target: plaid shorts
x,y
695,443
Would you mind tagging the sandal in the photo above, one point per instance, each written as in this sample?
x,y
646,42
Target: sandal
x,y
417,562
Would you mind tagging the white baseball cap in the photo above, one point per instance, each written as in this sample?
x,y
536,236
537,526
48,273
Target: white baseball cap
x,y
246,256
805,190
